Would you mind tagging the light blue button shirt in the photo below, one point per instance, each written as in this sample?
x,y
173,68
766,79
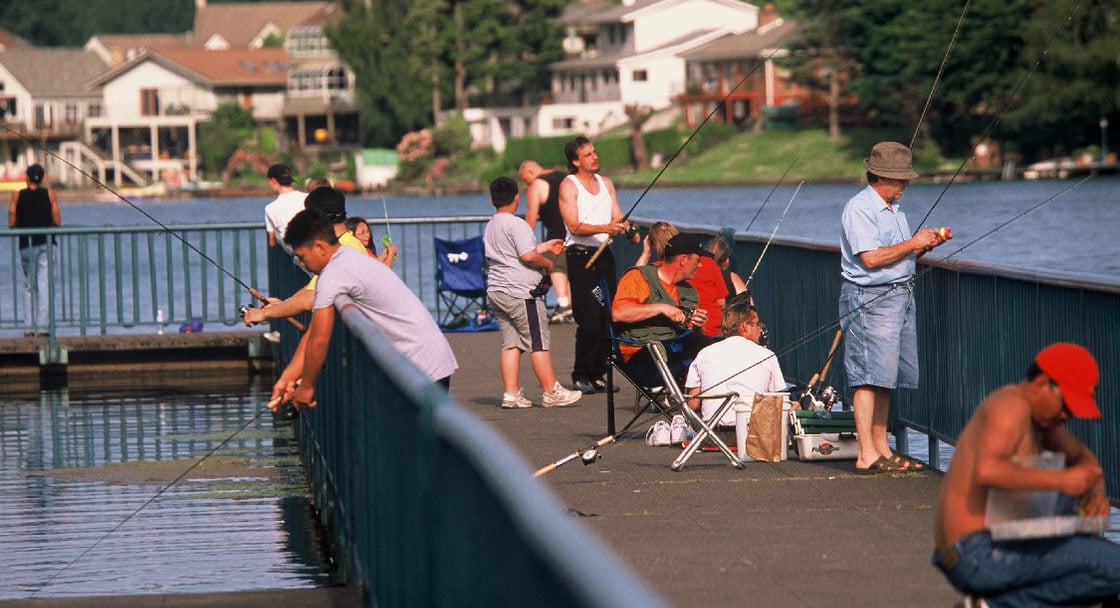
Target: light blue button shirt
x,y
867,224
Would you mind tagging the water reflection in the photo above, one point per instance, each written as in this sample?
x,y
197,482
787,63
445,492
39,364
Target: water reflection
x,y
83,510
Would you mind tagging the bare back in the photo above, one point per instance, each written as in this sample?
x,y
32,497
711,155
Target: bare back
x,y
1002,423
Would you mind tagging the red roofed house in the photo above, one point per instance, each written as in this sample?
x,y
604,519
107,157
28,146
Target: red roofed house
x,y
154,102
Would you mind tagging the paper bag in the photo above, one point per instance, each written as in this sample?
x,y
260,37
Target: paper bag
x,y
764,433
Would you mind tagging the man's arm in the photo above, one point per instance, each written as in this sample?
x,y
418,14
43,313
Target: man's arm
x,y
693,402
569,211
301,301
630,302
56,215
1006,417
317,340
535,196
921,242
12,209
1082,468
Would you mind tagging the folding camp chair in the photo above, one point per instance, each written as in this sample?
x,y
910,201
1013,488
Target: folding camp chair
x,y
643,375
460,282
677,400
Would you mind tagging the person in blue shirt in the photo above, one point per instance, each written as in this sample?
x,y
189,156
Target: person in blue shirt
x,y
878,258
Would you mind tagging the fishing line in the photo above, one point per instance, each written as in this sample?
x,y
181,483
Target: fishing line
x,y
165,488
252,291
838,321
1000,114
747,283
940,71
767,199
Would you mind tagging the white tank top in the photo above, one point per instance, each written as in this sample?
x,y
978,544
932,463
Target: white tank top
x,y
593,209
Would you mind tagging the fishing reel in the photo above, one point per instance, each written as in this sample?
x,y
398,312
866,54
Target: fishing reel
x,y
244,310
632,233
541,290
688,312
589,456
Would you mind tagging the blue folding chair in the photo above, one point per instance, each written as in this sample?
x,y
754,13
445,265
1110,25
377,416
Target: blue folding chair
x,y
461,303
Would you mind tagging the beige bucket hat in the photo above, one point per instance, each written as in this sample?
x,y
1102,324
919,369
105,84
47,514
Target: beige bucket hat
x,y
890,160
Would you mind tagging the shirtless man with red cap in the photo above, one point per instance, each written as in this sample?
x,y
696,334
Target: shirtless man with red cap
x,y
1010,428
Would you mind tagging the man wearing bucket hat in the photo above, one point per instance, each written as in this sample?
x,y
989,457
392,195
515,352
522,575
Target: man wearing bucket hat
x,y
995,449
877,315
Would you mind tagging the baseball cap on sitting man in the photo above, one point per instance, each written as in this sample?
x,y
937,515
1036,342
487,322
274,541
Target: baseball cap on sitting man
x,y
281,173
681,244
1075,371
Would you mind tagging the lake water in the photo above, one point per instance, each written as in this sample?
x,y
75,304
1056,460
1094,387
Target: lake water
x,y
1068,233
89,507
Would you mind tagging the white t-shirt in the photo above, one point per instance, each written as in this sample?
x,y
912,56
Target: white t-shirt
x,y
279,212
727,358
384,299
507,238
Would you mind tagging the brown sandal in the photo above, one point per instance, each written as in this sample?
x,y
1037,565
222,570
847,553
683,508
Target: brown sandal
x,y
906,465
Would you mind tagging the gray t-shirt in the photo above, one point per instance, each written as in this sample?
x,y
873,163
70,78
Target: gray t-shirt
x,y
507,238
384,299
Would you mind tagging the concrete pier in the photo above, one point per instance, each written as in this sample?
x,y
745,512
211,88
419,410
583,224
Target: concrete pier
x,y
166,361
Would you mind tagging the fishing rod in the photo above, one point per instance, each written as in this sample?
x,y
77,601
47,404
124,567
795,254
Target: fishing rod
x,y
839,321
252,290
940,72
1002,111
270,406
387,241
772,190
772,233
687,141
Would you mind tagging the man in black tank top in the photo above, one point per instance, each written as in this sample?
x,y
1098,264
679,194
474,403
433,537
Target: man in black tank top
x,y
35,207
542,196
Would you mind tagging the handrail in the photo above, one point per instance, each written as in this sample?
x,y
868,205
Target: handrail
x,y
451,475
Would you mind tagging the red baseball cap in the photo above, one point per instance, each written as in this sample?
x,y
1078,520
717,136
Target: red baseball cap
x,y
1075,371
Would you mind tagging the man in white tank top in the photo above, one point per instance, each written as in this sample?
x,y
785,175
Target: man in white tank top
x,y
589,206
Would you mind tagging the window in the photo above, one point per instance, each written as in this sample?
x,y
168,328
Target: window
x,y
337,80
94,110
564,122
640,76
149,102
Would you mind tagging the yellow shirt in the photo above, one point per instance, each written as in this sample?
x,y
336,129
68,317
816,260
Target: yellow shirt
x,y
346,238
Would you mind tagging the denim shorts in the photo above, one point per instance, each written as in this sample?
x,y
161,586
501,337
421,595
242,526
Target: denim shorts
x,y
1079,570
523,323
880,335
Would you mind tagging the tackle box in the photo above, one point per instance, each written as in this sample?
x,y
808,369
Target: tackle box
x,y
824,438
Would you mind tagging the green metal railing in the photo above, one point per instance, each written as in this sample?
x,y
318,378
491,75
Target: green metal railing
x,y
121,279
428,505
109,279
403,473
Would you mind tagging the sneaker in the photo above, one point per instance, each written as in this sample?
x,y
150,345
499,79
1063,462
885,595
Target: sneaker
x,y
515,400
560,397
679,431
658,434
561,314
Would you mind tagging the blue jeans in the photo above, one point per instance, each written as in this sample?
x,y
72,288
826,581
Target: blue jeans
x,y
1079,570
880,335
36,293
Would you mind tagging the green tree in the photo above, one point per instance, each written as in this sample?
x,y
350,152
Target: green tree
x,y
375,40
219,137
824,56
1074,52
